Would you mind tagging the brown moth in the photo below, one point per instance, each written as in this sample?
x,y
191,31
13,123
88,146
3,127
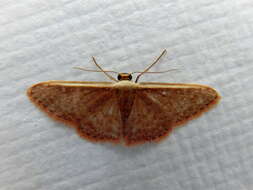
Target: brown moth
x,y
122,110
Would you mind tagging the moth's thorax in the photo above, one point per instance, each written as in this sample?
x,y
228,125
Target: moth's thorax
x,y
125,84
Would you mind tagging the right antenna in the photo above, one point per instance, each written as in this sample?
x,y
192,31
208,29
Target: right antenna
x,y
157,59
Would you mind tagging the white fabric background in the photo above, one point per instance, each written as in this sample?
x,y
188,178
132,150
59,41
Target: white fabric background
x,y
209,41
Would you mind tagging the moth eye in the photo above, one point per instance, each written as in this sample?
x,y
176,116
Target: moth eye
x,y
119,77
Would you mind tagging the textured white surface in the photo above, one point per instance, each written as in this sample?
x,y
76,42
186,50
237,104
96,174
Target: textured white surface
x,y
210,42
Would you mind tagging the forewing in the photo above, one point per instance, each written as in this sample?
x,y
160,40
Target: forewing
x,y
159,108
91,108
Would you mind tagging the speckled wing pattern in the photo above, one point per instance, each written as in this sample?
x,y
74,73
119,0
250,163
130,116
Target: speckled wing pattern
x,y
93,111
159,107
102,112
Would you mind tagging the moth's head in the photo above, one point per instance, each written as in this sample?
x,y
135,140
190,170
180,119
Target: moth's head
x,y
124,76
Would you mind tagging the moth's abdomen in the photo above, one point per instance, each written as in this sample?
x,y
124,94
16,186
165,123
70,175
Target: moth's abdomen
x,y
125,99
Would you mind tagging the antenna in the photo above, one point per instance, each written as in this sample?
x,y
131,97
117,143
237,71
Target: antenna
x,y
155,72
109,76
91,70
157,59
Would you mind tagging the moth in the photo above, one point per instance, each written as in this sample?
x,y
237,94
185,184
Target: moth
x,y
123,111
